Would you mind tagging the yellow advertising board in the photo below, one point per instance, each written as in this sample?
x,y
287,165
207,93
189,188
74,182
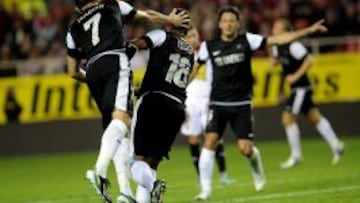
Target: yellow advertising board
x,y
336,78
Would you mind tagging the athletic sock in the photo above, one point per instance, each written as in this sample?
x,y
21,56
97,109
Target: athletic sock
x,y
110,143
206,165
220,158
142,194
195,154
327,132
293,137
255,161
143,175
122,166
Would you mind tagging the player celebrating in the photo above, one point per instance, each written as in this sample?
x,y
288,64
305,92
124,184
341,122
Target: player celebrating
x,y
230,100
296,61
97,36
197,102
160,109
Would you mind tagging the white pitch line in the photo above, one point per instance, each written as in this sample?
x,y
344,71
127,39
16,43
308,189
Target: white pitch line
x,y
291,194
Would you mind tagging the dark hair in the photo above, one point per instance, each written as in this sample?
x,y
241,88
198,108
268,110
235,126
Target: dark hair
x,y
229,9
81,3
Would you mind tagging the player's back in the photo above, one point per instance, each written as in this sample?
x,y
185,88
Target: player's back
x,y
169,68
99,29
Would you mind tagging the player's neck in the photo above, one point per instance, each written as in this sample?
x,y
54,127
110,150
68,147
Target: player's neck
x,y
229,38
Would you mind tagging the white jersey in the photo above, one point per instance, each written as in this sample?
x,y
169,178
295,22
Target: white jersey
x,y
200,86
197,101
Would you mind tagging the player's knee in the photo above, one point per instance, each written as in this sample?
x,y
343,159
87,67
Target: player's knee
x,y
210,141
246,151
314,116
193,140
245,147
287,119
121,115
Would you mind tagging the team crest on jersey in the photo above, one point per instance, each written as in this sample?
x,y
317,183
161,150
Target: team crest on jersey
x,y
182,45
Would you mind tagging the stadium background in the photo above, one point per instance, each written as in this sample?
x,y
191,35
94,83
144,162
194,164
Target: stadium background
x,y
42,111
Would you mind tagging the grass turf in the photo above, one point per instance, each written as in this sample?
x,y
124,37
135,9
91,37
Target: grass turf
x,y
59,178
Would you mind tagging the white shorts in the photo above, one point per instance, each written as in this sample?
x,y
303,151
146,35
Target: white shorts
x,y
196,117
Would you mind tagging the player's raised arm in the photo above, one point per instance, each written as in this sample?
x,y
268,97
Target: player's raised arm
x,y
180,19
287,37
177,20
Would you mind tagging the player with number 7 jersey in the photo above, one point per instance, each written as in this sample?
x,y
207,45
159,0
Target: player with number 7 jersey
x,y
97,37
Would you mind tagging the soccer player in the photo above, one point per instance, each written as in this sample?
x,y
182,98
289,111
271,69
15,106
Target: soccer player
x,y
232,81
160,109
97,36
197,101
296,61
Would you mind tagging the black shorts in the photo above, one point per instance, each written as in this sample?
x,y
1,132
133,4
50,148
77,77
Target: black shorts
x,y
239,117
300,101
156,122
109,81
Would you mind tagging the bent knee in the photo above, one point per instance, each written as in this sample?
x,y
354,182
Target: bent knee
x,y
287,118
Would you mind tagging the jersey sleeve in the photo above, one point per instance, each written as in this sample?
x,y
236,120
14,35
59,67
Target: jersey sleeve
x,y
155,38
127,10
71,46
203,54
256,41
298,50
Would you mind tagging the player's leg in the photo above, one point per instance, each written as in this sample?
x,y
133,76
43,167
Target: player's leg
x,y
294,105
325,129
216,126
254,159
194,145
293,137
142,194
191,129
242,124
122,161
115,104
221,162
153,141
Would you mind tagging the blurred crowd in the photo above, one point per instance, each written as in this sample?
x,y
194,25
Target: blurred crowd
x,y
32,29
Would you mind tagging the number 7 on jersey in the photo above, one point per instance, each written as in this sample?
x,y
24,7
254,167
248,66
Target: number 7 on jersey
x,y
93,23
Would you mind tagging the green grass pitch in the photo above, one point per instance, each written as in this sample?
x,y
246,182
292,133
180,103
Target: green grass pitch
x,y
59,178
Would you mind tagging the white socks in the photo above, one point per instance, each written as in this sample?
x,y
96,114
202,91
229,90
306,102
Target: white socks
x,y
206,165
327,132
110,142
122,166
293,137
255,162
143,175
142,194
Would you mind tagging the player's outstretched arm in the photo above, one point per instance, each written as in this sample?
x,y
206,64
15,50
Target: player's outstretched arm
x,y
150,16
291,36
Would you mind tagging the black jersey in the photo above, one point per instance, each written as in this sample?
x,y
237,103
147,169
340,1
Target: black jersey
x,y
169,66
232,78
99,29
292,57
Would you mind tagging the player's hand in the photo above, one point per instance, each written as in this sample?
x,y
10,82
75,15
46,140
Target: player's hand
x,y
318,27
181,19
291,79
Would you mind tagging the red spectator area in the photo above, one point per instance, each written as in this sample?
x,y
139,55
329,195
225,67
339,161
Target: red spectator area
x,y
40,31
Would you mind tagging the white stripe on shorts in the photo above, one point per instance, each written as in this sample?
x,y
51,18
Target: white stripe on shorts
x,y
123,88
298,100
